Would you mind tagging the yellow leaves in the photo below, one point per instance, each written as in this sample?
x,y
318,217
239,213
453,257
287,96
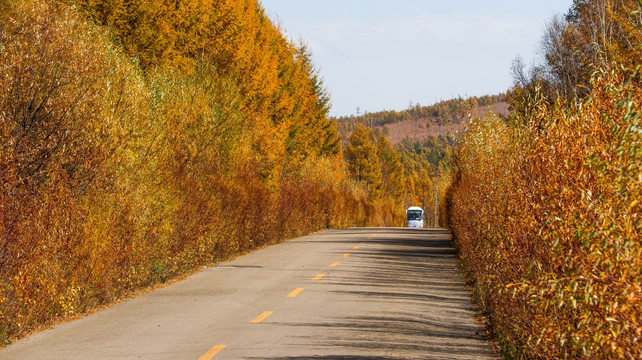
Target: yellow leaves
x,y
551,204
363,162
127,177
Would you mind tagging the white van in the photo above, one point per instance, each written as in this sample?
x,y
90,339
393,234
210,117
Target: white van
x,y
415,217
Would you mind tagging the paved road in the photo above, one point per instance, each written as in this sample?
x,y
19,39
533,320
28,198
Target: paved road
x,y
340,294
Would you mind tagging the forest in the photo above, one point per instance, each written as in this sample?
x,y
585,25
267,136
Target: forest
x,y
143,139
426,161
441,113
545,206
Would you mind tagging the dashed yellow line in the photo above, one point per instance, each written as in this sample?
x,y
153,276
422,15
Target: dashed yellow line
x,y
261,317
371,237
212,352
295,292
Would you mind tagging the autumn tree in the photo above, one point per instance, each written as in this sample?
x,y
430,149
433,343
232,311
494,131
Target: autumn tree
x,y
392,171
362,161
424,190
594,34
410,191
137,137
545,208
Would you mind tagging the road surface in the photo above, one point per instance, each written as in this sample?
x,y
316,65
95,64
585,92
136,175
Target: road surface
x,y
370,293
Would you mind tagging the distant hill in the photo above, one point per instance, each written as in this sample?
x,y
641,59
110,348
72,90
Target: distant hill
x,y
421,129
418,123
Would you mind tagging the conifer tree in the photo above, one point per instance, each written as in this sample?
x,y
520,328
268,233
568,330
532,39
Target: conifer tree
x,y
391,169
424,189
410,197
362,160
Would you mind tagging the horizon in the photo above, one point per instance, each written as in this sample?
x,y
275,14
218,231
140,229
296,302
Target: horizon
x,y
379,55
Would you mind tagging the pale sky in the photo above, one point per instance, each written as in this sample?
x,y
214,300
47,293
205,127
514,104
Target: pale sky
x,y
385,54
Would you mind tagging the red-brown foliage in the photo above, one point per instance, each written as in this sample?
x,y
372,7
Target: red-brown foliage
x,y
546,212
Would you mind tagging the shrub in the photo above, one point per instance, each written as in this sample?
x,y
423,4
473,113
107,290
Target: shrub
x,y
546,214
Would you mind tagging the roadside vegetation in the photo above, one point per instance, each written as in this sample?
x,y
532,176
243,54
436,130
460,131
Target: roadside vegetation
x,y
546,205
142,139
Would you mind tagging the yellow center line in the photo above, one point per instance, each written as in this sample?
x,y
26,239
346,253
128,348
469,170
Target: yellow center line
x,y
212,352
295,292
334,264
355,248
346,255
318,277
261,317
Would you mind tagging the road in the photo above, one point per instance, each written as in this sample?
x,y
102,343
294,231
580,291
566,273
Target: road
x,y
371,293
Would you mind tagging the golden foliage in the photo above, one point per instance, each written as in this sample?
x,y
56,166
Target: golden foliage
x,y
545,207
198,133
547,217
362,161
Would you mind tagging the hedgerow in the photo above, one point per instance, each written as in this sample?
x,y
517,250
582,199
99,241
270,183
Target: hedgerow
x,y
547,215
120,170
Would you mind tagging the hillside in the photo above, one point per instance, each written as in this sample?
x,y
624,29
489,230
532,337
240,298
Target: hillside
x,y
421,129
419,145
418,123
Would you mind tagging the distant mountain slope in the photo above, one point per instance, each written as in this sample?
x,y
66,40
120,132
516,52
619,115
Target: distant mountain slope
x,y
422,128
423,139
421,122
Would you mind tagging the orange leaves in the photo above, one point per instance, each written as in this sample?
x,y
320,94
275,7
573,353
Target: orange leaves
x,y
118,174
282,99
363,163
542,209
563,217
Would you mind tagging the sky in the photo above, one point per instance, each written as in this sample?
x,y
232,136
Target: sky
x,y
388,54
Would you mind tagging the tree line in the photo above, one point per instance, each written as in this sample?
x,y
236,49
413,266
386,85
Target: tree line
x,y
404,175
425,164
441,113
140,139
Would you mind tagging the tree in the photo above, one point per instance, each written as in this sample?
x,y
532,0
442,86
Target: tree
x,y
363,163
424,189
410,197
391,168
595,34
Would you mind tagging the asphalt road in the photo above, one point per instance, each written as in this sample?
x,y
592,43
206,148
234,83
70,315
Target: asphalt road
x,y
341,294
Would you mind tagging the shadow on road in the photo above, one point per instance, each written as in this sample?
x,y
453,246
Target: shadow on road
x,y
411,275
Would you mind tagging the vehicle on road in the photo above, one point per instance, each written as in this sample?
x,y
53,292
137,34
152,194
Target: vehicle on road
x,y
415,217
